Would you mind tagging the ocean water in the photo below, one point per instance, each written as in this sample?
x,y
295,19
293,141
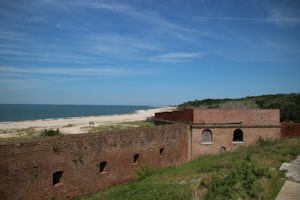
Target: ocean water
x,y
20,112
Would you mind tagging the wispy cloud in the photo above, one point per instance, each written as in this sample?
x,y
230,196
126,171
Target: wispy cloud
x,y
177,56
157,24
279,16
113,44
101,71
273,18
283,17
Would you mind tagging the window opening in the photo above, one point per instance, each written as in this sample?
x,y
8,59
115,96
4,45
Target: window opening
x,y
207,136
135,158
238,135
57,177
223,149
161,151
102,166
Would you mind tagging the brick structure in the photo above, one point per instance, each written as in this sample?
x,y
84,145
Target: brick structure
x,y
221,130
72,165
68,166
290,130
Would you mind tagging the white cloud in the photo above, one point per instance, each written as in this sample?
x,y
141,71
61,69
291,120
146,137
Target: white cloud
x,y
177,56
100,71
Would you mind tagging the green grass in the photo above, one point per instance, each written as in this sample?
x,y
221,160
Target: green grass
x,y
250,173
119,126
21,134
31,133
28,134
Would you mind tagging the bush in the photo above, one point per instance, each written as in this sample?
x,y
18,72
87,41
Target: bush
x,y
242,182
50,132
150,119
144,171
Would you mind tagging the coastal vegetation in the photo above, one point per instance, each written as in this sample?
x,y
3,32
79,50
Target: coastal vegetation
x,y
289,104
50,132
250,173
31,132
119,126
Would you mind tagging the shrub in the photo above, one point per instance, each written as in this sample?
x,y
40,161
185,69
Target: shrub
x,y
242,182
265,141
150,119
144,171
50,132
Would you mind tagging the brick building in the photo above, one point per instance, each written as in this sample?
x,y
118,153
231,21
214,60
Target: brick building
x,y
63,167
221,130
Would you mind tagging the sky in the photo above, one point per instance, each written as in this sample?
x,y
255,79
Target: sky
x,y
147,52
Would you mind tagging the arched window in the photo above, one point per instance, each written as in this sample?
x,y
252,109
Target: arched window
x,y
238,135
206,136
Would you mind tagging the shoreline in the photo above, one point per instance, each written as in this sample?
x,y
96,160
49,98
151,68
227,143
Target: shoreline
x,y
75,125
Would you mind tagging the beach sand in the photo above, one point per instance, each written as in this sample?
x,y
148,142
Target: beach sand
x,y
75,125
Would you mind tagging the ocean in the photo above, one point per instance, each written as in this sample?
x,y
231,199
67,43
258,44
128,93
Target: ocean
x,y
22,112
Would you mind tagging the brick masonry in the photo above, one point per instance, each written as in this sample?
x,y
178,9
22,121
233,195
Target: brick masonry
x,y
222,123
244,116
73,165
223,116
290,130
222,138
27,167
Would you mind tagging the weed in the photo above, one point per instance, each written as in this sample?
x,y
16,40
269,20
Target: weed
x,y
78,160
52,197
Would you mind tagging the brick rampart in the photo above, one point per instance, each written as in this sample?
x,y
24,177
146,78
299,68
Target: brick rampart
x,y
67,166
290,130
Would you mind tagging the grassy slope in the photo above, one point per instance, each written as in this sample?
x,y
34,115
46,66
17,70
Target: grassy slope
x,y
250,173
289,104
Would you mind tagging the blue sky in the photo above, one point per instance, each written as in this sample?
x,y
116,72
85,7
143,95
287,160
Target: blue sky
x,y
147,52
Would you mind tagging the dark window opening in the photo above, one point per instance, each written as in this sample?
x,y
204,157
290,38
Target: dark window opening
x,y
161,151
207,136
56,177
102,166
135,158
238,135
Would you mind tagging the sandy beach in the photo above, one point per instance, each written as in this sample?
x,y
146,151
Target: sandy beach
x,y
75,125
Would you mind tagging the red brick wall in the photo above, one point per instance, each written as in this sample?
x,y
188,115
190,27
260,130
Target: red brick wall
x,y
219,116
178,116
26,168
223,137
290,130
246,116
